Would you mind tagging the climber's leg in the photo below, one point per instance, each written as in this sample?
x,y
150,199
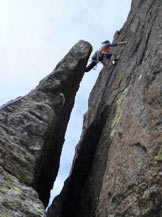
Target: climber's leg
x,y
91,65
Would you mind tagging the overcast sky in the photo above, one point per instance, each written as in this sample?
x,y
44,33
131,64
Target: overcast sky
x,y
36,34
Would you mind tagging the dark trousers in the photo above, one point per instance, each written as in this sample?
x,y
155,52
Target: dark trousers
x,y
99,57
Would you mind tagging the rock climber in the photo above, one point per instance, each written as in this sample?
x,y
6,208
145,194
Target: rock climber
x,y
103,53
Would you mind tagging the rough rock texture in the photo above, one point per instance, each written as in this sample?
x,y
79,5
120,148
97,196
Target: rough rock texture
x,y
32,130
117,170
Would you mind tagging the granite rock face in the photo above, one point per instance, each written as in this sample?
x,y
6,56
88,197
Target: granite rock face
x,y
32,130
117,168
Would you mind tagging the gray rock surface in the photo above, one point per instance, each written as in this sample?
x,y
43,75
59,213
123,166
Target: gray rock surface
x,y
117,168
32,130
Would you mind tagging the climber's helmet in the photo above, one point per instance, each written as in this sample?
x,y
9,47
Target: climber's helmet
x,y
106,42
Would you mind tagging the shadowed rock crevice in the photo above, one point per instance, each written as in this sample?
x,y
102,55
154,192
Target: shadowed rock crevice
x,y
67,203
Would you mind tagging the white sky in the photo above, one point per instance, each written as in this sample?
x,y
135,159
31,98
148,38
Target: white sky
x,y
36,34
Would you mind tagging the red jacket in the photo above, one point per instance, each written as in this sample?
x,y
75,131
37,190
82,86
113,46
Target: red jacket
x,y
106,47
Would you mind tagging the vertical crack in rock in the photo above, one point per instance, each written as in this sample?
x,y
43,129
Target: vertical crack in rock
x,y
32,130
67,203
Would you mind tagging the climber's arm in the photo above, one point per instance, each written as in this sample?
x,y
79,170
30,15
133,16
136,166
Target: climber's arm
x,y
121,43
118,44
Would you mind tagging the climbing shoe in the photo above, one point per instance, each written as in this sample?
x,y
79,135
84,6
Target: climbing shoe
x,y
114,62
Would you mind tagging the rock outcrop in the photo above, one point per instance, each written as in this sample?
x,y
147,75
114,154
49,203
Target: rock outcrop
x,y
32,130
117,168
